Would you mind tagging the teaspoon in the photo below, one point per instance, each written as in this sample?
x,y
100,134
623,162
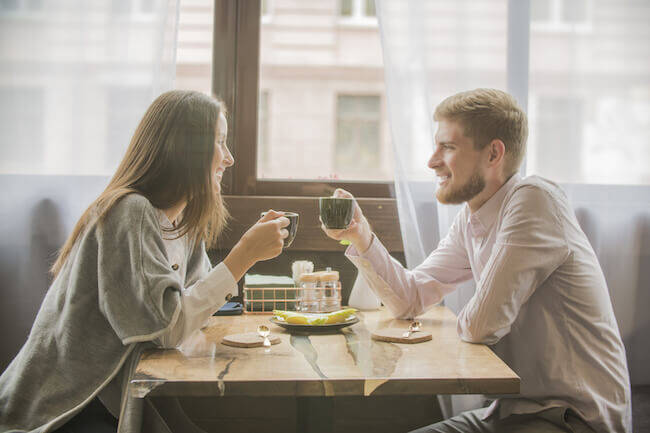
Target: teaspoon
x,y
413,327
264,332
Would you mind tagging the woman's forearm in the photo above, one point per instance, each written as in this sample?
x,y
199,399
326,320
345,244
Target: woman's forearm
x,y
238,261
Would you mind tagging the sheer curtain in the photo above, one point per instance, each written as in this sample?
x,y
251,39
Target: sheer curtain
x,y
583,76
75,78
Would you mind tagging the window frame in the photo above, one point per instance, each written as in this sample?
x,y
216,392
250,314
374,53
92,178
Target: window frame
x,y
236,48
235,79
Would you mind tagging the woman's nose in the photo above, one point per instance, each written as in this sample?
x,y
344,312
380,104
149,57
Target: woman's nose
x,y
229,160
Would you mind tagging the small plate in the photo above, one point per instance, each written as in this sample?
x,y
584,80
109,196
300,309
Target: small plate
x,y
332,327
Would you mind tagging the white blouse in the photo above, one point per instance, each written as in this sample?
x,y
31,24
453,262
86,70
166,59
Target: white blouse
x,y
200,299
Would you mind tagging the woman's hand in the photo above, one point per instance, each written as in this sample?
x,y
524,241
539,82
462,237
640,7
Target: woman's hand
x,y
263,241
358,232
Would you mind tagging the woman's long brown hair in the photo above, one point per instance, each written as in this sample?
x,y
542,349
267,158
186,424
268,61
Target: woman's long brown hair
x,y
169,160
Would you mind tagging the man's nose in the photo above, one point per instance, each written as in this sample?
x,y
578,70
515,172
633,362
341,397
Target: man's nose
x,y
434,161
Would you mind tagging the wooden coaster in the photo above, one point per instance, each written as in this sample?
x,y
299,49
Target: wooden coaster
x,y
249,339
394,335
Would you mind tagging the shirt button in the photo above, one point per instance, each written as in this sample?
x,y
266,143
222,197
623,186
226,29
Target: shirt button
x,y
175,266
228,296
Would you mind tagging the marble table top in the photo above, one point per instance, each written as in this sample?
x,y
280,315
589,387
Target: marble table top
x,y
344,363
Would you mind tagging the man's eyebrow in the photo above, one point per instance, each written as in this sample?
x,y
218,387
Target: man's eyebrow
x,y
445,142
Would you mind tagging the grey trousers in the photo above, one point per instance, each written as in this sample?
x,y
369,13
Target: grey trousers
x,y
557,419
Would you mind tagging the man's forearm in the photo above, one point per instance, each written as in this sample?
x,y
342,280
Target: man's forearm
x,y
363,239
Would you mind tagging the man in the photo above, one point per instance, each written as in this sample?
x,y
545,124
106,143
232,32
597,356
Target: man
x,y
541,300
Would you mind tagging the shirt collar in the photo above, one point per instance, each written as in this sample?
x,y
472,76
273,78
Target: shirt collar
x,y
163,220
482,220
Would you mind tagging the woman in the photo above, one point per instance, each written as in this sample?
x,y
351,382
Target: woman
x,y
134,273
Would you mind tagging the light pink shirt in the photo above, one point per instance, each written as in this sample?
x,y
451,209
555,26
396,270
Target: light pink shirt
x,y
541,300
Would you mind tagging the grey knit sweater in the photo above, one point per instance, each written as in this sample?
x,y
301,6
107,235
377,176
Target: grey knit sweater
x,y
116,292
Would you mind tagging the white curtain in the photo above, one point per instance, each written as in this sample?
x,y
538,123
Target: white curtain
x,y
75,78
581,69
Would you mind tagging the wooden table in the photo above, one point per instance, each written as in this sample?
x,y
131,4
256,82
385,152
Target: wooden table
x,y
344,364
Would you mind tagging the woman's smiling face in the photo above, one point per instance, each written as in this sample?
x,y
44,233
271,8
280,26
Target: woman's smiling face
x,y
222,158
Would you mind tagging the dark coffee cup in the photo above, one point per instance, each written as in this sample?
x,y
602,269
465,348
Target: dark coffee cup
x,y
292,228
336,212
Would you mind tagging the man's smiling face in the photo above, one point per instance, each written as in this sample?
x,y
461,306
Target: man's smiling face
x,y
457,164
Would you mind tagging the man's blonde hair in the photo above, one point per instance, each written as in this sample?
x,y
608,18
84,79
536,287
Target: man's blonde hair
x,y
488,114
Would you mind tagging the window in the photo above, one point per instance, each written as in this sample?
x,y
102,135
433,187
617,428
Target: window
x,y
124,109
559,15
281,79
305,63
358,9
266,10
588,110
20,5
144,7
194,49
556,148
22,112
358,144
285,136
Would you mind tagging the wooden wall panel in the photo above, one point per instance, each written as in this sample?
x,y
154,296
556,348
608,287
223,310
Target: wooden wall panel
x,y
245,210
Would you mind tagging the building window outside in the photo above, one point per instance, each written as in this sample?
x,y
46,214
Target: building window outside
x,y
194,45
266,9
131,7
305,69
358,146
560,15
357,12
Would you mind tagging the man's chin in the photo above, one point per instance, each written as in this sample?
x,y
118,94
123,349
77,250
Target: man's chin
x,y
446,198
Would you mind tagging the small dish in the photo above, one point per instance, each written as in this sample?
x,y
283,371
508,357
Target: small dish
x,y
332,327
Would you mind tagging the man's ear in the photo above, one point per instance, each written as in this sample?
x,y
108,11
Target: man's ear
x,y
496,152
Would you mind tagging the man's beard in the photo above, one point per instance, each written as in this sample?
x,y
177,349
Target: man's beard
x,y
464,193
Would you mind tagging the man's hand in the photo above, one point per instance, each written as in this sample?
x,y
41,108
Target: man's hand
x,y
358,232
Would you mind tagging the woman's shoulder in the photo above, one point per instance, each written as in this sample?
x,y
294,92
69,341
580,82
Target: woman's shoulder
x,y
130,210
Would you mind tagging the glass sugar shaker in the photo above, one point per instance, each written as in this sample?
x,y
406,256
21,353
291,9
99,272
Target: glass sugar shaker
x,y
307,296
330,299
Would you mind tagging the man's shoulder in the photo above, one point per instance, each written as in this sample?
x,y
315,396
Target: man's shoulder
x,y
538,182
536,195
535,187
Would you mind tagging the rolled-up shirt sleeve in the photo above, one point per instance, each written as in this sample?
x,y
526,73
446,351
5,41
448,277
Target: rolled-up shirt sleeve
x,y
198,302
408,293
530,245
